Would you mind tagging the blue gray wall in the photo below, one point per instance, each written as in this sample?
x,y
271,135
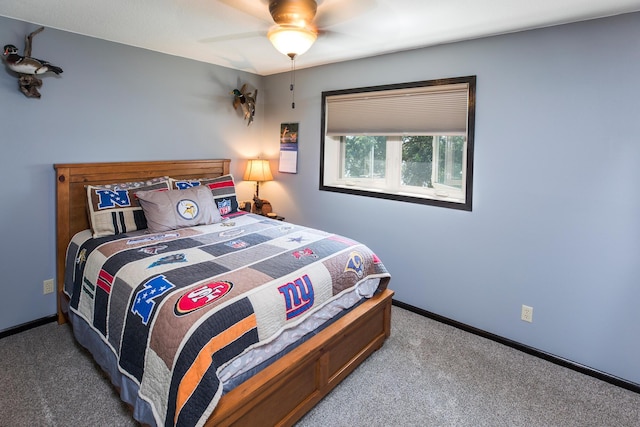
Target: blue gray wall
x,y
111,103
556,214
555,217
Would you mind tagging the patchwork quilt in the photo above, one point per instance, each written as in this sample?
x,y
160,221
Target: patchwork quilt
x,y
176,307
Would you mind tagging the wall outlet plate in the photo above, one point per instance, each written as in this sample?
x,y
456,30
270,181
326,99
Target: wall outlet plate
x,y
527,313
47,287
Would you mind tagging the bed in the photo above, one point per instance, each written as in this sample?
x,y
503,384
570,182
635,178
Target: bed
x,y
282,388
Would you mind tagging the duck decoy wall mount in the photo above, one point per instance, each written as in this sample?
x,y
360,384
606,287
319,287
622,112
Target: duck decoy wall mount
x,y
27,67
246,100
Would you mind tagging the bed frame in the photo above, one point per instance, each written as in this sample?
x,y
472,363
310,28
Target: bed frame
x,y
281,393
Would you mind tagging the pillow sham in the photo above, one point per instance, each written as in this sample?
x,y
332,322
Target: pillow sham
x,y
170,210
114,209
223,189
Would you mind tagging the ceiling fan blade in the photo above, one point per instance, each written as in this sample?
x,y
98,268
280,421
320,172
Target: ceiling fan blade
x,y
259,9
332,36
332,12
237,36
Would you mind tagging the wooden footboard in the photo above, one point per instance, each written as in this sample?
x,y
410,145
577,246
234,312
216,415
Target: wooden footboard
x,y
283,392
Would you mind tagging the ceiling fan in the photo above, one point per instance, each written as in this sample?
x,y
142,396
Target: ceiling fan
x,y
295,24
293,33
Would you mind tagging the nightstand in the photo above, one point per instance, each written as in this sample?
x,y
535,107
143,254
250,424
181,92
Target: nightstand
x,y
277,217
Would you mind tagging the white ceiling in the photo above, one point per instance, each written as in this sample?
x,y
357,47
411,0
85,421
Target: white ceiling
x,y
232,33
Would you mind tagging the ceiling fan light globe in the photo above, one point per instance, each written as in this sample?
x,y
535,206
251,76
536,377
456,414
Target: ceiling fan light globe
x,y
292,40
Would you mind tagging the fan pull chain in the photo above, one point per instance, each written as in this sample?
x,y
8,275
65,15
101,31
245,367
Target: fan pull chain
x,y
293,82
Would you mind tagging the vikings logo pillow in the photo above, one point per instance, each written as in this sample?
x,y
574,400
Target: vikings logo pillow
x,y
170,210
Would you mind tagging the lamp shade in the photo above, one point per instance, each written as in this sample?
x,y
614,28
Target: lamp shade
x,y
258,170
291,39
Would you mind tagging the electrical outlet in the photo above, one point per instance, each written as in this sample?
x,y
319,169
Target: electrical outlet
x,y
47,286
527,313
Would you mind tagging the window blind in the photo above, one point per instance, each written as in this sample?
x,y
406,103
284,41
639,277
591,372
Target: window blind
x,y
426,110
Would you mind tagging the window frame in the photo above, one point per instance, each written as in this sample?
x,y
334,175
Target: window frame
x,y
429,198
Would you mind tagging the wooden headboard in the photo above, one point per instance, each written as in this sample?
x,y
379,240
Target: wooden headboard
x,y
71,196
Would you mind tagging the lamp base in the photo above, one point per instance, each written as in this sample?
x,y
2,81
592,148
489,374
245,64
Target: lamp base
x,y
261,206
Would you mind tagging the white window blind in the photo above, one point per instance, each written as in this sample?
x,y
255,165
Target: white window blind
x,y
426,110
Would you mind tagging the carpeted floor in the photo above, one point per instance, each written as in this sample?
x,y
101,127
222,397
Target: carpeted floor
x,y
427,374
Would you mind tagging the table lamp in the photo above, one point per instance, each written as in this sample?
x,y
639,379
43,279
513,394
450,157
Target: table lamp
x,y
258,170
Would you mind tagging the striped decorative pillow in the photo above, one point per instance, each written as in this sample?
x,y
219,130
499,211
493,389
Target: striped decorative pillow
x,y
223,189
114,208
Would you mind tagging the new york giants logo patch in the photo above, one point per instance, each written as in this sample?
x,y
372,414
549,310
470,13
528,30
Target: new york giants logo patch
x,y
145,297
298,296
110,198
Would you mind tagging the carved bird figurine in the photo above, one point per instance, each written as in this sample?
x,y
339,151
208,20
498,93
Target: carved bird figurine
x,y
247,101
26,65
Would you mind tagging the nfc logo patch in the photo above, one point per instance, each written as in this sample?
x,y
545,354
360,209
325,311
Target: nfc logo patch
x,y
110,198
145,297
298,296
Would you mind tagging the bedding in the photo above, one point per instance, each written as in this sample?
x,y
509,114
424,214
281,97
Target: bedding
x,y
177,312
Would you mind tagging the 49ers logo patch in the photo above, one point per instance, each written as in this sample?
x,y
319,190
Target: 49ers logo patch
x,y
201,296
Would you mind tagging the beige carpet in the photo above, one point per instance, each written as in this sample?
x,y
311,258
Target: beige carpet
x,y
427,374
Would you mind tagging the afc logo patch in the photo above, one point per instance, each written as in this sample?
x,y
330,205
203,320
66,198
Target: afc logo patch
x,y
183,185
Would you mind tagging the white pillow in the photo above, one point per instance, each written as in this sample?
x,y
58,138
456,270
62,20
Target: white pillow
x,y
170,210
